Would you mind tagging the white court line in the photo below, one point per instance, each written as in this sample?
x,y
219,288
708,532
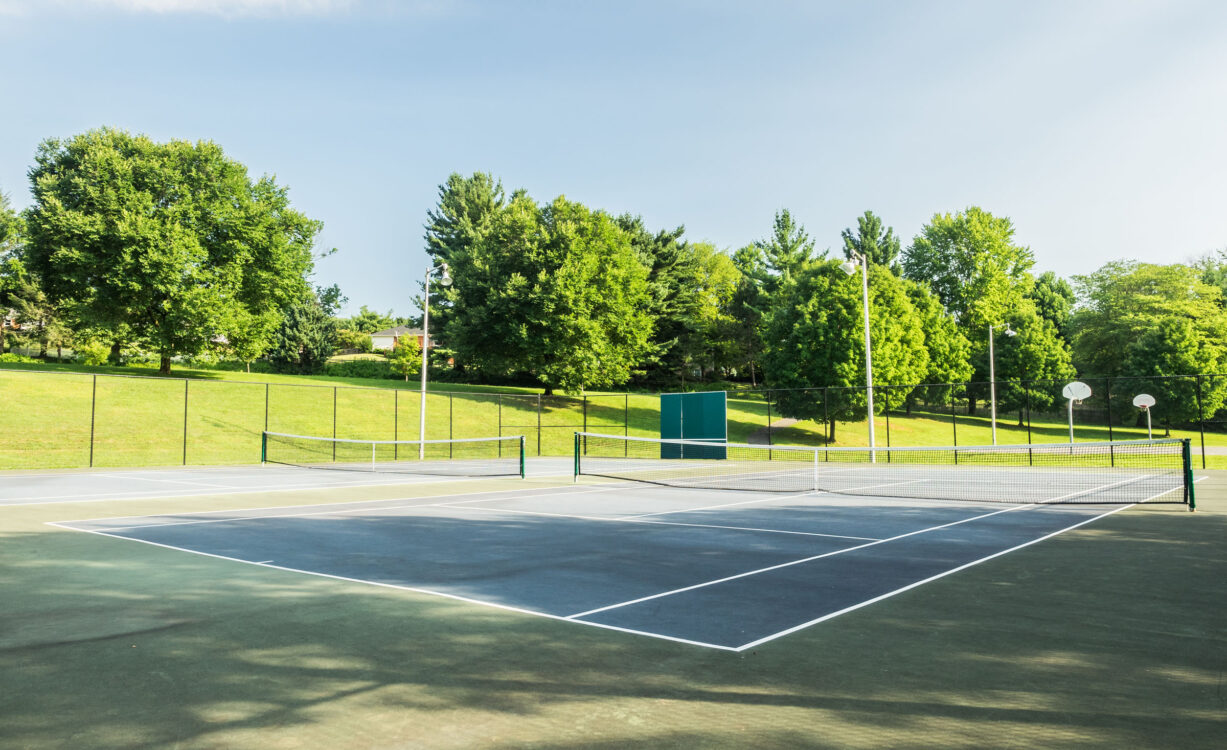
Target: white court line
x,y
94,497
133,475
945,573
789,564
400,587
331,512
635,519
775,498
704,584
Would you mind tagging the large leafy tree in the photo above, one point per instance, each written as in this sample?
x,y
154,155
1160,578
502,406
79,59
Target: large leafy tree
x,y
971,263
1054,301
813,339
879,245
982,278
949,350
1154,321
172,241
556,291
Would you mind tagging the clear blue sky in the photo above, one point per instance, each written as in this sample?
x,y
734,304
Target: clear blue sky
x,y
1100,128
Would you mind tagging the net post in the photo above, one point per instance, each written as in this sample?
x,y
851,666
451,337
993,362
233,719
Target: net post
x,y
264,447
815,471
1188,474
522,473
575,465
372,455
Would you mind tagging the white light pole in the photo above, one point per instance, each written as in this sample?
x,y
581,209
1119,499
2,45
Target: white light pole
x,y
849,267
444,280
992,373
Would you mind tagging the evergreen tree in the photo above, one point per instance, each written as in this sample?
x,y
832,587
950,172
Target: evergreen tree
x,y
880,246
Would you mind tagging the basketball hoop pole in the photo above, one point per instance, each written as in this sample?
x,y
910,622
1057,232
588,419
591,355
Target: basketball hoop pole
x,y
1149,436
1071,421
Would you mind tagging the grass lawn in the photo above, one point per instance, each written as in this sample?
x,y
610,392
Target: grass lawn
x,y
206,417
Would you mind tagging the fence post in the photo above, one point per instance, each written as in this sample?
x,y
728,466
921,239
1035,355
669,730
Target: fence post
x,y
769,440
395,424
266,407
954,420
886,411
585,413
538,425
185,384
1201,423
93,411
334,423
450,422
826,421
1107,390
626,423
1027,402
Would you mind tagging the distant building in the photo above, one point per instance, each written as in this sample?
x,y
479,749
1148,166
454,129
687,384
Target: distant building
x,y
387,340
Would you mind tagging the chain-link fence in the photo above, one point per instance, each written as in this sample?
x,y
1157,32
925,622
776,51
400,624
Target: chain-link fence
x,y
56,419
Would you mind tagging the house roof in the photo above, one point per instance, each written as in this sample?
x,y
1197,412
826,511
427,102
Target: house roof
x,y
399,331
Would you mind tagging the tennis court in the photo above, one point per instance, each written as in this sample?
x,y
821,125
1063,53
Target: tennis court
x,y
649,601
722,569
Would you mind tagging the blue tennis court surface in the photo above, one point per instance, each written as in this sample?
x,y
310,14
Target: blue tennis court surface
x,y
727,570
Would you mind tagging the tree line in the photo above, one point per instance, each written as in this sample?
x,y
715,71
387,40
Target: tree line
x,y
173,248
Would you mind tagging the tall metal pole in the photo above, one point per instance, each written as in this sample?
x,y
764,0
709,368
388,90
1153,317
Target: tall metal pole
x,y
425,351
992,384
868,353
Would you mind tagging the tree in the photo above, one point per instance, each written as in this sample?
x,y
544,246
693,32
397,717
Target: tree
x,y
368,321
1154,321
787,251
949,350
41,320
307,336
813,335
13,276
406,357
879,246
348,338
466,213
674,277
1030,363
1054,301
172,241
706,342
746,308
971,264
556,291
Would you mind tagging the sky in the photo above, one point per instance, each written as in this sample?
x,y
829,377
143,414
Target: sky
x,y
1098,128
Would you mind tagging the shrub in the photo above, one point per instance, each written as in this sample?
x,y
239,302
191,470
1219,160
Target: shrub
x,y
92,353
10,358
359,368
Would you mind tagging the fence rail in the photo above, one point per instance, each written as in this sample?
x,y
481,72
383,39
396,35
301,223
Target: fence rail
x,y
63,419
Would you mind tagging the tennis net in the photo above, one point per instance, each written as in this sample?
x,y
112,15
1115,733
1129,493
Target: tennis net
x,y
1133,471
464,457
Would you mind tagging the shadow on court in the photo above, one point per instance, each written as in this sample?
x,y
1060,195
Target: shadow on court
x,y
1108,636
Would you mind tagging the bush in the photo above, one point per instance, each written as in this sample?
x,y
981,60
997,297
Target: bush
x,y
359,368
10,358
92,353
